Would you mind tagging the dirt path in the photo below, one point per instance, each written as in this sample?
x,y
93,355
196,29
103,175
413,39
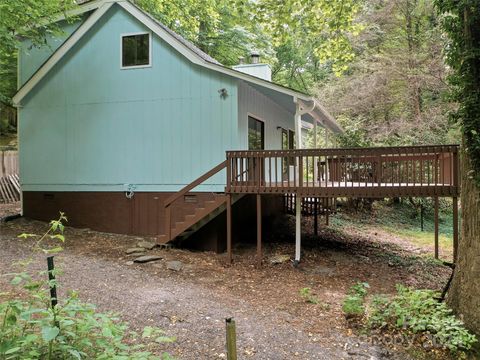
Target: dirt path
x,y
273,320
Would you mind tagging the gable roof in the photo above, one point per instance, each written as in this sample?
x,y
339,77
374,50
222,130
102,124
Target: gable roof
x,y
184,47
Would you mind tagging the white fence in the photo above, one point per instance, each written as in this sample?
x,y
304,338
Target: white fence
x,y
8,163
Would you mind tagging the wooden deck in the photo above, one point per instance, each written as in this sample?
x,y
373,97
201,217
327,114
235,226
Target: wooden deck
x,y
324,175
364,172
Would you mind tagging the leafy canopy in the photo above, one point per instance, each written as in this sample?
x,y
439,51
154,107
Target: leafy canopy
x,y
302,40
26,19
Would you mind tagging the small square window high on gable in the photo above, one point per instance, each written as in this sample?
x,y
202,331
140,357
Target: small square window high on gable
x,y
136,50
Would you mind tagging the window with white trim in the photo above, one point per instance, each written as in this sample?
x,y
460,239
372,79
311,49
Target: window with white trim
x,y
136,50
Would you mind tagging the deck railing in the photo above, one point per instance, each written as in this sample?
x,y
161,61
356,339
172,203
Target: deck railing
x,y
362,172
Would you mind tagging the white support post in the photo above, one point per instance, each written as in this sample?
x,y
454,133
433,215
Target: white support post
x,y
298,212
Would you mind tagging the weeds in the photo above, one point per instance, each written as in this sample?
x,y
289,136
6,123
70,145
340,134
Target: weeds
x,y
411,312
418,311
30,328
354,303
306,293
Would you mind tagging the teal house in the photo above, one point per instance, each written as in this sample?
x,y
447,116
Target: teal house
x,y
120,113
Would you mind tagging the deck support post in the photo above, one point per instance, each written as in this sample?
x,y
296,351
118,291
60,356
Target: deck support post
x,y
436,226
298,198
229,229
327,212
298,227
455,229
315,217
259,230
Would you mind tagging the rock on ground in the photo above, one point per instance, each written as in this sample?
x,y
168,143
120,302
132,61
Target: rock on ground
x,y
146,245
175,265
147,258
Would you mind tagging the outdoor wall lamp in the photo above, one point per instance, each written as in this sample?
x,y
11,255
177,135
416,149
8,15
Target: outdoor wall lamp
x,y
223,93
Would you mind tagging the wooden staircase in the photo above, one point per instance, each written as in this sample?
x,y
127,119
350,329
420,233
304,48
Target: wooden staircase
x,y
203,213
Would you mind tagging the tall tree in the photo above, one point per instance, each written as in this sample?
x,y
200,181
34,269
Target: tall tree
x,y
462,23
311,37
395,90
223,29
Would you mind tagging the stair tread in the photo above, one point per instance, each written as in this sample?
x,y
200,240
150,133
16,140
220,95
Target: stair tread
x,y
162,239
204,211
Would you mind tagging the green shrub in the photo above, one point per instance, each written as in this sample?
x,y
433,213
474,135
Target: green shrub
x,y
354,302
30,328
418,311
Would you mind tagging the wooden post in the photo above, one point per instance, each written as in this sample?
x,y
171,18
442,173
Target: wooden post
x,y
315,217
327,212
436,226
455,229
229,229
168,223
259,229
231,339
421,216
4,172
51,277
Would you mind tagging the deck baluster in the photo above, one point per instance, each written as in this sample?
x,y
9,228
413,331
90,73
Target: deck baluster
x,y
407,171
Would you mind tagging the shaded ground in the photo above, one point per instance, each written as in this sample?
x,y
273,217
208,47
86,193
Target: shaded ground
x,y
273,320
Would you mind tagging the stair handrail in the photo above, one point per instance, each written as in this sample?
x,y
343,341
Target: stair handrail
x,y
185,190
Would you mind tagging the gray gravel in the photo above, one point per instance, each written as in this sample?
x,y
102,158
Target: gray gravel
x,y
190,310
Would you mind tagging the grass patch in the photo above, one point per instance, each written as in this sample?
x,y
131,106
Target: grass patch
x,y
422,238
402,220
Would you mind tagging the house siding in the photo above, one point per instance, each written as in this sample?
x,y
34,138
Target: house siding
x,y
90,126
252,102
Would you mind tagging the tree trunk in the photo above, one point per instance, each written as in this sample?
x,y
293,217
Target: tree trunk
x,y
464,295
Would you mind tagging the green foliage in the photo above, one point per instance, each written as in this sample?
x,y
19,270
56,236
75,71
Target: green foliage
x,y
327,25
220,28
72,329
26,19
461,21
30,328
354,302
355,134
54,232
303,41
394,92
306,293
418,311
